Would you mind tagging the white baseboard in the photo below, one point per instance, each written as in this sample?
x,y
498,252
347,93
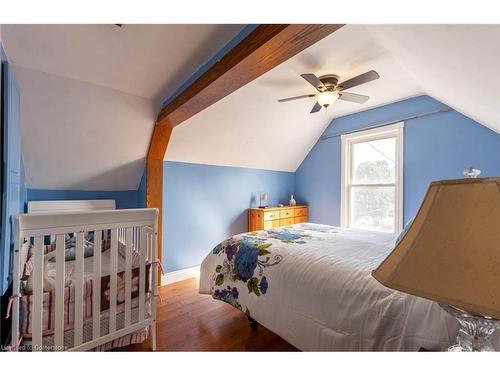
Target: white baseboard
x,y
175,276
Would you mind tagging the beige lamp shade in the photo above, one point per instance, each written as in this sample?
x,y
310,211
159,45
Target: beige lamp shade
x,y
451,251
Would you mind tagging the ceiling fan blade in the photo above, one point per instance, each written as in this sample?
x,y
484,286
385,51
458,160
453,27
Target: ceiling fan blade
x,y
316,108
359,80
296,97
313,80
355,98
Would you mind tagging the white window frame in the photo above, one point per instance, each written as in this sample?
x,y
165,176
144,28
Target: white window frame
x,y
347,140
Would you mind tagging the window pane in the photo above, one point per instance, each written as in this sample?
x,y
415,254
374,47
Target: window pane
x,y
373,162
373,208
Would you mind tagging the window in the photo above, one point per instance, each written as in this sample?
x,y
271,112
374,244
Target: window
x,y
372,179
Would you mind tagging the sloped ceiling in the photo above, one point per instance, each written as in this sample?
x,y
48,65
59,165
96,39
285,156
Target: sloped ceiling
x,y
80,136
458,65
249,128
89,95
150,61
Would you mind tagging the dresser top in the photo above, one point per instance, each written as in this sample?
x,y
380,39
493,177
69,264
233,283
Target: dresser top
x,y
270,208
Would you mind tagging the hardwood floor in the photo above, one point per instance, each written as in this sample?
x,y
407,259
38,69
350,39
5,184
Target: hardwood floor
x,y
189,321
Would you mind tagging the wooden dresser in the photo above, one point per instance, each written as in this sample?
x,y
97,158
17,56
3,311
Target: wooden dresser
x,y
274,217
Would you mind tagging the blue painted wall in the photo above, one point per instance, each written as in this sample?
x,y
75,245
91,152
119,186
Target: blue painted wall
x,y
13,186
124,199
438,146
205,204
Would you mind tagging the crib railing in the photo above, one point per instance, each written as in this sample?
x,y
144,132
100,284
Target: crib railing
x,y
136,232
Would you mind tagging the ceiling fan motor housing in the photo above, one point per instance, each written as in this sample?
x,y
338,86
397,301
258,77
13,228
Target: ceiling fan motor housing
x,y
330,81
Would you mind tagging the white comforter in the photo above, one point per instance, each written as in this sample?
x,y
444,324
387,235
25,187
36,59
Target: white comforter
x,y
312,285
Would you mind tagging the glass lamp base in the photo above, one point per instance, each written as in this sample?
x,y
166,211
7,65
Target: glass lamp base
x,y
475,331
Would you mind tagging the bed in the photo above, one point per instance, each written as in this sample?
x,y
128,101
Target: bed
x,y
82,276
311,284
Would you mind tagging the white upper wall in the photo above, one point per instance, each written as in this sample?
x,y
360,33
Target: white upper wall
x,y
80,136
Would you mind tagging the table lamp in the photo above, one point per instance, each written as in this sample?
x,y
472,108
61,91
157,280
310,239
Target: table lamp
x,y
451,254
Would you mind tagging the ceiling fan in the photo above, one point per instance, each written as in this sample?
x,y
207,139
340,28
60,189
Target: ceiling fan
x,y
329,90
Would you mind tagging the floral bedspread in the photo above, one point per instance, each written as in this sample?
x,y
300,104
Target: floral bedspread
x,y
243,261
311,284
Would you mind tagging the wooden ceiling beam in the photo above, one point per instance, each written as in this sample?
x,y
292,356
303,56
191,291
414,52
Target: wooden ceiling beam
x,y
263,49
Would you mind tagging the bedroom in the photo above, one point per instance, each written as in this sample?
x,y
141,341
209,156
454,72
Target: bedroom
x,y
245,194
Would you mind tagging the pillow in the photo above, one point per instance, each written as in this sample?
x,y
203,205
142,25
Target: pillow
x,y
70,246
403,232
70,249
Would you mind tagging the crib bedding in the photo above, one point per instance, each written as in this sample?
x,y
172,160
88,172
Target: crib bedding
x,y
132,338
69,295
312,285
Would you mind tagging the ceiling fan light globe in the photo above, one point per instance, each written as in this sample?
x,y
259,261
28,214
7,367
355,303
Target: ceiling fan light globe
x,y
327,98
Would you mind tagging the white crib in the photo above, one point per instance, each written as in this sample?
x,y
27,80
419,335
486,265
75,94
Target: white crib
x,y
133,231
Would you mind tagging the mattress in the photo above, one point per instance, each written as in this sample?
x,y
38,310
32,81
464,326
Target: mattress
x,y
48,316
311,284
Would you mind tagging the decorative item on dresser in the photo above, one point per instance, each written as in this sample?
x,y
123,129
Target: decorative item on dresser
x,y
263,200
274,217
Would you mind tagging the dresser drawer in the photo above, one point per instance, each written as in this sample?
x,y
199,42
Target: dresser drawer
x,y
287,213
300,211
300,219
271,215
270,224
285,222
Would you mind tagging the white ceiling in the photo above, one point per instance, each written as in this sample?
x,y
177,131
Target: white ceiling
x,y
249,128
87,120
458,65
89,94
150,61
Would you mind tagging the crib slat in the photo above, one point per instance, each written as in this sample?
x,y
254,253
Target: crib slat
x,y
37,294
128,275
154,286
96,286
113,269
142,273
79,251
60,282
18,243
